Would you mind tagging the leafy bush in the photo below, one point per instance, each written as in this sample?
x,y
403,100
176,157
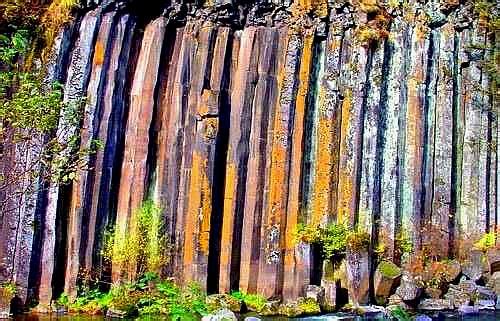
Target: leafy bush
x,y
146,244
486,242
254,302
334,239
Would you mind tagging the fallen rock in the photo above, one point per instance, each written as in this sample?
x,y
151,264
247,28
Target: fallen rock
x,y
467,286
252,319
316,293
474,267
371,311
409,290
457,297
468,309
308,306
484,293
290,309
270,308
223,301
221,315
387,275
423,317
435,305
330,295
493,260
452,271
358,277
485,304
115,313
494,282
433,293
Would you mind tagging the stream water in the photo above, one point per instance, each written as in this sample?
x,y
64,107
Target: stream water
x,y
484,316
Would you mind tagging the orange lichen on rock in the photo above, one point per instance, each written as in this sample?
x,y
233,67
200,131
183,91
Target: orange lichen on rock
x,y
345,186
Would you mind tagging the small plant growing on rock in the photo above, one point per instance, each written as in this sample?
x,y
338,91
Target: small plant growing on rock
x,y
486,242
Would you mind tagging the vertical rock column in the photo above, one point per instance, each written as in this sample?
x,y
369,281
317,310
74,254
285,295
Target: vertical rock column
x,y
108,133
78,223
242,95
76,84
201,185
133,185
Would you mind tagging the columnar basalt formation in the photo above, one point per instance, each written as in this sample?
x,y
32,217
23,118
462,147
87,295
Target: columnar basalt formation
x,y
242,120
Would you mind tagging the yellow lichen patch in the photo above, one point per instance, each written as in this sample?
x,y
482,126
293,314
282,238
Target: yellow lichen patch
x,y
295,170
198,214
99,53
318,7
345,174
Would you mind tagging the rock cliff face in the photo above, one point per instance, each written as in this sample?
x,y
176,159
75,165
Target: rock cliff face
x,y
241,120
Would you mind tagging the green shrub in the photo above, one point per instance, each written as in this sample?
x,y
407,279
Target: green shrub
x,y
486,242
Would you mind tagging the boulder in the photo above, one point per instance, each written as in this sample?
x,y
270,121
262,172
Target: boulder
x,y
358,277
474,267
372,311
485,304
423,317
409,290
115,313
387,275
494,282
484,293
309,306
223,301
221,315
270,308
467,286
493,256
252,319
457,297
468,310
290,309
330,295
453,270
433,293
316,293
42,309
435,305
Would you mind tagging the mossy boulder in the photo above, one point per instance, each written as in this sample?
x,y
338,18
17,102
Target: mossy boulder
x,y
387,275
270,308
452,271
223,301
409,290
309,306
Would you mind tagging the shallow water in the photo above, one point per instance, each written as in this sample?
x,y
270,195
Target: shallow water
x,y
484,316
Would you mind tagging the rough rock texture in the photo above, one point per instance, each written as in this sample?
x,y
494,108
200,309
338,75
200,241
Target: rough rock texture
x,y
241,120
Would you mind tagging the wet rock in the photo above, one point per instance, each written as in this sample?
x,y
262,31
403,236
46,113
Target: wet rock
x,y
474,267
468,309
270,308
409,290
252,319
223,301
358,277
435,305
42,308
466,286
485,304
484,293
423,317
290,309
316,293
115,313
457,297
386,275
433,293
308,306
372,311
221,315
